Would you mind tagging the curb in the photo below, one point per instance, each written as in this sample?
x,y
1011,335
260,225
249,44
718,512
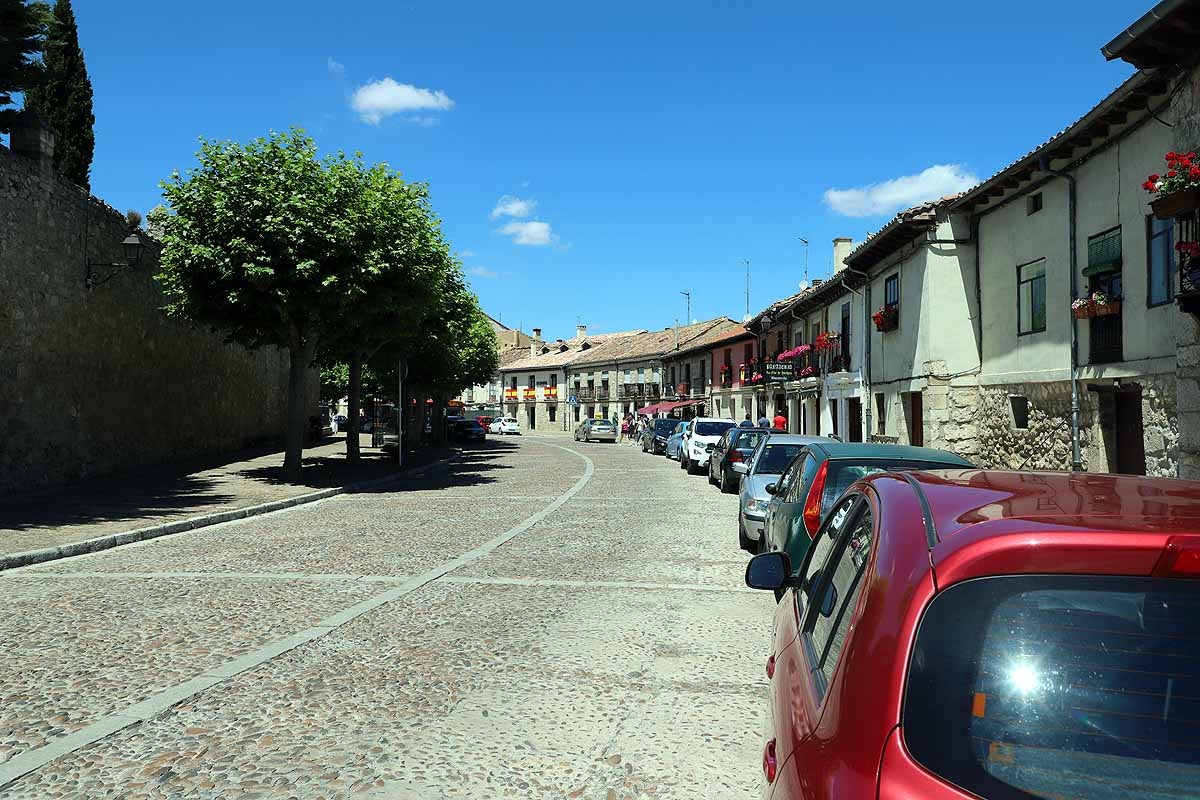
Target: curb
x,y
14,560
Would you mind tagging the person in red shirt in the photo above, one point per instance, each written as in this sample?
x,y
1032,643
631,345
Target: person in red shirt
x,y
780,421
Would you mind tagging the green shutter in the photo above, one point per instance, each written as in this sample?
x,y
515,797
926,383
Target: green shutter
x,y
1104,253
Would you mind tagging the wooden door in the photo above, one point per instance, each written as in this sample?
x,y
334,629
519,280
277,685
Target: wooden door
x,y
1131,446
916,425
854,420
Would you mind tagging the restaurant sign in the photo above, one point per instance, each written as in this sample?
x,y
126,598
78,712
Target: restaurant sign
x,y
778,371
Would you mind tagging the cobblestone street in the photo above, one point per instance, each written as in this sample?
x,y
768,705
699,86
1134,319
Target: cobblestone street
x,y
538,619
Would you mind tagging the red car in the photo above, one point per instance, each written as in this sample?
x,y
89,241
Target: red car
x,y
994,635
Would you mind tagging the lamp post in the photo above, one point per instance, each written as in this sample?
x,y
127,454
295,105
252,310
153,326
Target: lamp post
x,y
133,247
805,243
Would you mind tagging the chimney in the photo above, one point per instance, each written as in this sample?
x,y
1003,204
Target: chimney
x,y
841,249
580,331
32,137
537,333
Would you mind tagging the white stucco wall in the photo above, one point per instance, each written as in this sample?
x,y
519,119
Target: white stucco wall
x,y
1108,193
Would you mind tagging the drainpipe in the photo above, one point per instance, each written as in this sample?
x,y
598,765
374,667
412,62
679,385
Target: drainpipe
x,y
1076,457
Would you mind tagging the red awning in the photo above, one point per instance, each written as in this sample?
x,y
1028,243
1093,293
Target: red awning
x,y
648,410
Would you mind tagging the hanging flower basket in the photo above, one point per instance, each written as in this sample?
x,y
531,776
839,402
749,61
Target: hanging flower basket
x,y
1082,308
1108,309
826,341
1179,189
887,318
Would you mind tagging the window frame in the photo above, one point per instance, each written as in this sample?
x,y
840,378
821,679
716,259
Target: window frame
x,y
859,504
890,282
1020,283
1171,267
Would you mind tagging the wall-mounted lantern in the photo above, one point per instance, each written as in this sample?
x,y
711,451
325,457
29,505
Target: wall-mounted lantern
x,y
133,247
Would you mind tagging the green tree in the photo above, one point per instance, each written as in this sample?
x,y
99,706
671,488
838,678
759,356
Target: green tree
x,y
254,244
22,37
390,281
63,97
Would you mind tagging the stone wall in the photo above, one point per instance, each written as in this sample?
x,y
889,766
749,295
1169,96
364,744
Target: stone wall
x,y
1046,442
97,381
1185,113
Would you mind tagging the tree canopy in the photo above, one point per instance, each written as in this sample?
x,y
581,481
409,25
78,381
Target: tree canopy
x,y
62,96
22,38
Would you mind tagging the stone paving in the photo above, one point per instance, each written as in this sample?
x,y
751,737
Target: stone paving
x,y
541,620
101,506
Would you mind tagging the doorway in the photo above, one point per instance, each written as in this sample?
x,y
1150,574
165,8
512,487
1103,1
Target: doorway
x,y
531,413
1131,442
916,425
854,420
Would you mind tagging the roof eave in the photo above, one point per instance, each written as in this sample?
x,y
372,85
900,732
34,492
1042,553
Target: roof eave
x,y
1154,39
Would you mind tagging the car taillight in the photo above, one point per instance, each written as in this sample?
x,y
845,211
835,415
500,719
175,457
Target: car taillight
x,y
736,455
769,765
1180,558
812,504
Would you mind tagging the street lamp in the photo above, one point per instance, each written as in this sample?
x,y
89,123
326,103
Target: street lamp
x,y
133,247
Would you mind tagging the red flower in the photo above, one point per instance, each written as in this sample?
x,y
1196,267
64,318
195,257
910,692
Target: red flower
x,y
1154,178
1149,186
1194,173
1171,174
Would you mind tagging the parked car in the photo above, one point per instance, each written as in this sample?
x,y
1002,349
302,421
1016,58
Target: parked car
x,y
485,421
468,430
505,425
675,440
654,438
813,484
769,460
704,432
736,445
599,429
974,634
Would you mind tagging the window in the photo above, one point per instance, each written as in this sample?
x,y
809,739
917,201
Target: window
x,y
840,589
749,352
891,291
554,380
1160,260
514,382
845,334
577,413
880,414
815,330
1059,686
1031,297
818,554
1033,203
550,411
1020,411
532,381
800,466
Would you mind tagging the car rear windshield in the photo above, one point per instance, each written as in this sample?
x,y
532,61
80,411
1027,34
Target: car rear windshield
x,y
664,425
1060,687
774,458
748,440
712,428
842,474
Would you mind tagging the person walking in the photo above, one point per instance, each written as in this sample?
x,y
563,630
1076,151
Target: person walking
x,y
780,421
763,422
746,423
624,430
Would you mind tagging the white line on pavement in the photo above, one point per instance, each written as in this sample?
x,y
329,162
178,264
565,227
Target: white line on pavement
x,y
31,760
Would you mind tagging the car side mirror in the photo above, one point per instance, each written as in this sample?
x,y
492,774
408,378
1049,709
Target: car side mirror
x,y
772,488
711,447
740,468
770,571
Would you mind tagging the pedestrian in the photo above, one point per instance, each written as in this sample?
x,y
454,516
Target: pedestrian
x,y
747,422
763,422
624,431
333,421
780,421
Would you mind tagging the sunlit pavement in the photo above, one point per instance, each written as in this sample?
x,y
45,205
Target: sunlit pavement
x,y
541,619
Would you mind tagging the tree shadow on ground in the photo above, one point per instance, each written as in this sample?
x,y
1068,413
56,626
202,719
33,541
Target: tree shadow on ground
x,y
470,468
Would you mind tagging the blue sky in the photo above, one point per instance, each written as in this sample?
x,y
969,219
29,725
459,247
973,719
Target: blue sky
x,y
639,149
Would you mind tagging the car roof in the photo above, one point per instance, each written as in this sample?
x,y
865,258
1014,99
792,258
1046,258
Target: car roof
x,y
778,437
837,450
988,501
714,419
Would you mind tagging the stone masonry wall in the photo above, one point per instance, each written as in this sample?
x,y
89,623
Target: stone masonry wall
x,y
98,381
1046,442
1185,113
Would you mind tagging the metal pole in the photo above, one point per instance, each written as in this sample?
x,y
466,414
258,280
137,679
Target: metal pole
x,y
688,295
805,242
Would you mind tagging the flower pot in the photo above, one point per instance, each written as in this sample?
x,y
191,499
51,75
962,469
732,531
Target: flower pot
x,y
1175,204
886,325
1107,309
1083,313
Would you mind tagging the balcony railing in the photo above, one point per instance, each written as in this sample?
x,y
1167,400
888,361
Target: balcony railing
x,y
586,393
1105,339
510,394
602,393
638,391
550,393
529,393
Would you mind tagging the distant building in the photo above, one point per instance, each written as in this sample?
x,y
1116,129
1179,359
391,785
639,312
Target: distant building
x,y
513,345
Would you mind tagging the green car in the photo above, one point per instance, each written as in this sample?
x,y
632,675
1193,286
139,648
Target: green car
x,y
816,478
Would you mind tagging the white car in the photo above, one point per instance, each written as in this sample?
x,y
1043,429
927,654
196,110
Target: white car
x,y
703,435
505,425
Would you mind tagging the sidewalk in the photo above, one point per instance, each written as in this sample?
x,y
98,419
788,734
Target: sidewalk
x,y
88,509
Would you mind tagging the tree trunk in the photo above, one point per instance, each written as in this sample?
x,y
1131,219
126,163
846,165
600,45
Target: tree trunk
x,y
301,354
416,420
353,403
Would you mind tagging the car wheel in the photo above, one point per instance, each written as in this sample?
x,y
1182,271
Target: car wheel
x,y
682,460
725,484
692,467
743,542
711,480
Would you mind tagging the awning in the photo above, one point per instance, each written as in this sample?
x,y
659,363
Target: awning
x,y
648,410
662,408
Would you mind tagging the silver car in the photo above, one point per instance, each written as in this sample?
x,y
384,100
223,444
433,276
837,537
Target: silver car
x,y
768,462
599,429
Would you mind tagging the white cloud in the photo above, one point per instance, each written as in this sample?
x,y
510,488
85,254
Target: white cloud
x,y
532,233
888,197
482,272
466,253
378,99
512,206
336,68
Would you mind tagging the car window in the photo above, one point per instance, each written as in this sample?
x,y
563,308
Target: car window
x,y
712,428
843,474
830,623
789,482
822,545
1060,686
774,458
